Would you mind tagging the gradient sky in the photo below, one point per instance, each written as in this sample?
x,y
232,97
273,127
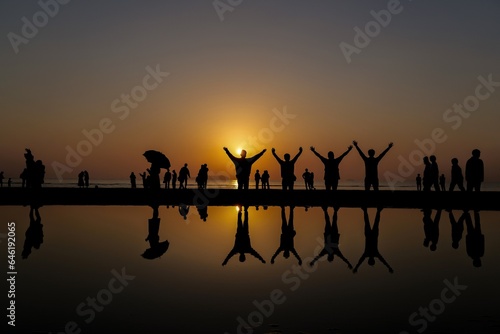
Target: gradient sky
x,y
227,77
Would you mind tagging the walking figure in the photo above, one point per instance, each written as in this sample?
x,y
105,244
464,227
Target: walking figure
x,y
287,169
287,235
132,180
183,176
332,174
243,166
434,173
371,165
474,171
419,182
457,178
442,182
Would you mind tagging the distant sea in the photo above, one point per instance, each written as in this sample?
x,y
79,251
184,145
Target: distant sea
x,y
231,184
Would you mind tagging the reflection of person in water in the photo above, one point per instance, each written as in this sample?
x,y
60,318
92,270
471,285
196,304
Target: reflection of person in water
x,y
457,229
242,241
156,248
203,211
371,242
474,240
184,210
34,233
331,239
287,235
431,228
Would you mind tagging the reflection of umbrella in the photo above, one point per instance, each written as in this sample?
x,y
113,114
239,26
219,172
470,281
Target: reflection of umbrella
x,y
157,158
156,251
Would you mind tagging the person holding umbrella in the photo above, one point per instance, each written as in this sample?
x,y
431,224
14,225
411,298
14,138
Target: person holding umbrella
x,y
158,160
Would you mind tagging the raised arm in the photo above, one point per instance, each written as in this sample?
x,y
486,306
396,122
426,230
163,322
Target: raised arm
x,y
322,158
294,252
361,259
385,151
298,155
273,151
385,263
319,256
279,250
256,157
355,143
229,256
345,153
339,254
257,255
232,157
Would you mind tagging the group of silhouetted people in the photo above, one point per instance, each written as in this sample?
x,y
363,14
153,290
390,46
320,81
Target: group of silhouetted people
x,y
474,174
34,173
83,179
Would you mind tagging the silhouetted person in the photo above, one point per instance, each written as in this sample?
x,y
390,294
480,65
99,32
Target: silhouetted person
x,y
174,178
34,233
474,240
81,182
1,179
474,171
154,176
431,228
156,248
166,179
331,239
332,174
243,166
287,169
183,176
457,178
442,182
371,242
419,182
144,180
202,177
307,178
371,165
203,212
242,243
457,229
184,210
9,182
86,178
434,173
257,179
265,180
23,176
427,181
311,181
287,235
133,178
30,169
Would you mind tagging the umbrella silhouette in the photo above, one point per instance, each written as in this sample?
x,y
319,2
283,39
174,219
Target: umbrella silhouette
x,y
157,158
156,251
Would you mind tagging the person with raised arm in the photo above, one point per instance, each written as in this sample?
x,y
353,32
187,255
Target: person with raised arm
x,y
371,242
332,238
371,165
243,166
242,243
287,235
287,169
332,174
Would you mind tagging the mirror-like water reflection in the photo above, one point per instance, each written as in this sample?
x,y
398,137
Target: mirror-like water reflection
x,y
327,270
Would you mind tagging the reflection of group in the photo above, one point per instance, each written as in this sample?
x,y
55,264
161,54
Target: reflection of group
x,y
34,233
474,174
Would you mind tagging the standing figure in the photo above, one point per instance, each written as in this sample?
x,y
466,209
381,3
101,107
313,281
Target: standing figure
x,y
332,238
86,178
257,179
243,166
144,180
287,169
306,176
23,177
1,179
265,180
174,178
132,180
427,180
166,179
332,174
81,182
371,242
183,176
371,165
242,243
474,171
457,178
442,182
202,177
419,182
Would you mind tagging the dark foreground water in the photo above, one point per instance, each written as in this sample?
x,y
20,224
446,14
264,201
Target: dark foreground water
x,y
83,272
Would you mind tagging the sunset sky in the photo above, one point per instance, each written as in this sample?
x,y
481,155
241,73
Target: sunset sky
x,y
232,70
